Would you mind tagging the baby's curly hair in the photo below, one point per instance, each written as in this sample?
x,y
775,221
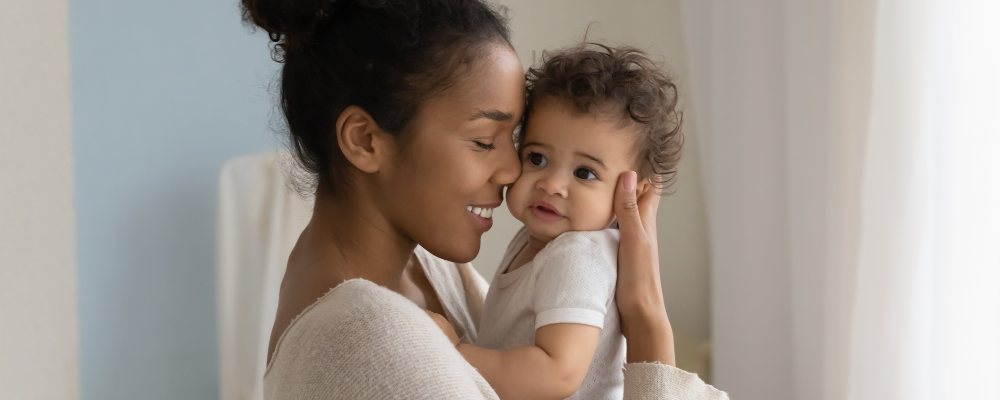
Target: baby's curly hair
x,y
621,82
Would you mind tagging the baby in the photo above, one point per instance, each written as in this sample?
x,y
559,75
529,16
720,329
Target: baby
x,y
550,326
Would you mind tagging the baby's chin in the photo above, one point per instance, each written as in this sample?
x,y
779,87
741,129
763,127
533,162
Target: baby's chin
x,y
545,231
548,231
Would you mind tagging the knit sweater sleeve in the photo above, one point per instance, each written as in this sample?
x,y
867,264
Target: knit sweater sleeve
x,y
364,341
654,381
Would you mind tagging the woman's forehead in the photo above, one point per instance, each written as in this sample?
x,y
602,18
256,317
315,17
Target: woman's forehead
x,y
495,80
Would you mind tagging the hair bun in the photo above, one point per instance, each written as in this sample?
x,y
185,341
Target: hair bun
x,y
290,23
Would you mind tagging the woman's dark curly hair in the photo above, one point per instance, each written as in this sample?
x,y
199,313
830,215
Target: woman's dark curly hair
x,y
621,82
385,56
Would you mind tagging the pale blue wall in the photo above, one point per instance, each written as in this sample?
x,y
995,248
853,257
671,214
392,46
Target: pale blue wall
x,y
163,93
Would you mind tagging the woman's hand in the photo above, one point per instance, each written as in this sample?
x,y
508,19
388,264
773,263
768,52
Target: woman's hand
x,y
445,326
639,294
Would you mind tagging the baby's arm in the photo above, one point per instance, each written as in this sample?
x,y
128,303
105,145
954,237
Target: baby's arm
x,y
553,368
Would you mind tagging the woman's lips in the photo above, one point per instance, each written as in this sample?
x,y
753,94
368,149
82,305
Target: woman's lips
x,y
546,212
482,215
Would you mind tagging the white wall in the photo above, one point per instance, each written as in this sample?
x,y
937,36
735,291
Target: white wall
x,y
38,318
653,26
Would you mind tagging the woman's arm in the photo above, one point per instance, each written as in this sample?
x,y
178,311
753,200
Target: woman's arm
x,y
554,368
650,371
639,295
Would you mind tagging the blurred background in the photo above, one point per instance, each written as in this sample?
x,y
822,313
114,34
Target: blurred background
x,y
834,232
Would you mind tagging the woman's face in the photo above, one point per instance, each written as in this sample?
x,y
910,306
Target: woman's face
x,y
458,157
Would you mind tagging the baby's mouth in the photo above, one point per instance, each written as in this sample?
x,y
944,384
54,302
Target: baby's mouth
x,y
547,209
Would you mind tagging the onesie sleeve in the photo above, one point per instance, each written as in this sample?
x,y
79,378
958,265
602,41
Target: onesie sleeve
x,y
577,273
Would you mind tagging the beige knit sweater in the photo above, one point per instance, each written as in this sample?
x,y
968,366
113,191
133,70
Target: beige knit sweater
x,y
363,341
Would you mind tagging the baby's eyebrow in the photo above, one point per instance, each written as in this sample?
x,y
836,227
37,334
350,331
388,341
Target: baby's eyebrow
x,y
596,160
533,144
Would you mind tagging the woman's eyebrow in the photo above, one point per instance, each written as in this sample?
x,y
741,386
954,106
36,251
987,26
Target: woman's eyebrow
x,y
495,115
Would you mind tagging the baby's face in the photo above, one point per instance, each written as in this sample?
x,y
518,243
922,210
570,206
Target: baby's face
x,y
570,163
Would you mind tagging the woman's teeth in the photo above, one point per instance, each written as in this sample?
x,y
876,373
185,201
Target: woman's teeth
x,y
482,212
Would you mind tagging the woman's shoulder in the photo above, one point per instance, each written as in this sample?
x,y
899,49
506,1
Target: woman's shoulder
x,y
354,307
354,339
357,306
355,296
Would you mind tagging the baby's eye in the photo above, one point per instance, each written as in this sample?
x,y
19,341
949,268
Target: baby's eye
x,y
583,173
485,146
537,159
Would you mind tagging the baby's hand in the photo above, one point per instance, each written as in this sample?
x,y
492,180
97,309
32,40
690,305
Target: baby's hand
x,y
446,327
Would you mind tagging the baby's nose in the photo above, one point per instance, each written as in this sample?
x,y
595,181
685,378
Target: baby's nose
x,y
553,185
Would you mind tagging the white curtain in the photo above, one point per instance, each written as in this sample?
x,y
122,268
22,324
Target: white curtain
x,y
259,220
851,155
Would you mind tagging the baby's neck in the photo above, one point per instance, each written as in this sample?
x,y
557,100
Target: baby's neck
x,y
528,252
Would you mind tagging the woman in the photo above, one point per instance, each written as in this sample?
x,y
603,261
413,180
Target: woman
x,y
404,112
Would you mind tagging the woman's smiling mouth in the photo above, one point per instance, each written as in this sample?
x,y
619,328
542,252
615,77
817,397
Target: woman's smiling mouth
x,y
483,216
481,211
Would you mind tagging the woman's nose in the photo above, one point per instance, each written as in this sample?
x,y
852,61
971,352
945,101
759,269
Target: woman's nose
x,y
508,167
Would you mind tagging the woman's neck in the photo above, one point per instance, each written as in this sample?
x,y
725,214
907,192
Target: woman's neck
x,y
350,238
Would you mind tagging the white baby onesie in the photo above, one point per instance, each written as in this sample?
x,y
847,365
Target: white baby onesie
x,y
571,280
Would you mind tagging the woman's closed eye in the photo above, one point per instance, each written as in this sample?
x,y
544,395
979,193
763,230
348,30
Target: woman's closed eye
x,y
484,146
585,174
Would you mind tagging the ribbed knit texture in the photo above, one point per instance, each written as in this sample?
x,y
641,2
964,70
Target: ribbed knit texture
x,y
360,341
654,381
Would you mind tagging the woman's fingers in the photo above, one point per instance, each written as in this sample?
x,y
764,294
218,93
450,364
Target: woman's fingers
x,y
637,275
647,205
639,295
638,260
627,209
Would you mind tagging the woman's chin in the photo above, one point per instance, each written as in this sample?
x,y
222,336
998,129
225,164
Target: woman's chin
x,y
460,253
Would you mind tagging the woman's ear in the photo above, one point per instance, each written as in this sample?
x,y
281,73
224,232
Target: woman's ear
x,y
361,140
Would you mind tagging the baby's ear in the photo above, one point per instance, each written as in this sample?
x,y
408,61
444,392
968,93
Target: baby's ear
x,y
642,187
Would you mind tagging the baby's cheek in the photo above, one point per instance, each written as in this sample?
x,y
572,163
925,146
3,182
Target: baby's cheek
x,y
516,199
597,213
609,211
